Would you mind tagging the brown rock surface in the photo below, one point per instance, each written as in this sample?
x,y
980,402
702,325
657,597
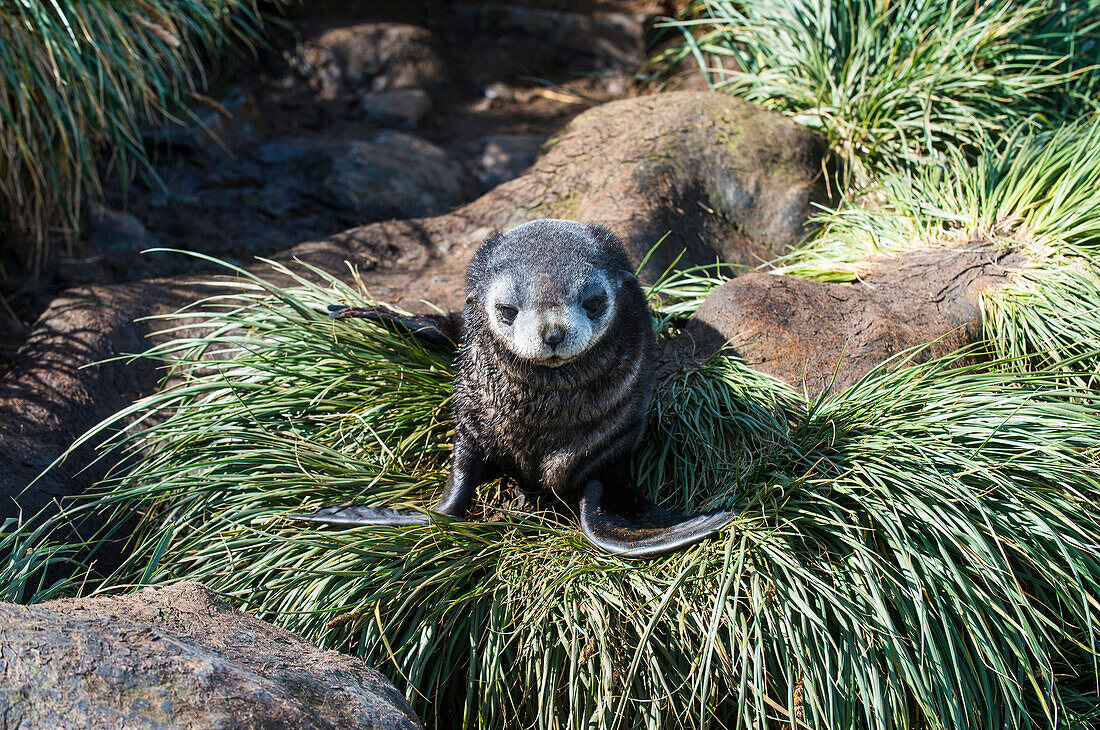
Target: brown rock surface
x,y
178,657
815,334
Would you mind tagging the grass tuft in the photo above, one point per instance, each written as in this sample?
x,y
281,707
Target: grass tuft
x,y
28,558
919,550
895,84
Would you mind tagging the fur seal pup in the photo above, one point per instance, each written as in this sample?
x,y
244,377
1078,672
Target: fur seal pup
x,y
552,384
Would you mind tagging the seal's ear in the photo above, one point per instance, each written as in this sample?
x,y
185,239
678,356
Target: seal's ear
x,y
626,277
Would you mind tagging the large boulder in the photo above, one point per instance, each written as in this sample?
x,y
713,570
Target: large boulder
x,y
179,657
818,335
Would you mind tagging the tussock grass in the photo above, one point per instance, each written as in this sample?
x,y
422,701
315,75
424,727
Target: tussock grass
x,y
27,555
76,79
919,550
893,84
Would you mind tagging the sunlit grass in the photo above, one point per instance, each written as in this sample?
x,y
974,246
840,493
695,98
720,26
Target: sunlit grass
x,y
895,84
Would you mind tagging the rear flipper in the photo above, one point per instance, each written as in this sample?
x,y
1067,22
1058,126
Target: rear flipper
x,y
351,516
646,531
438,330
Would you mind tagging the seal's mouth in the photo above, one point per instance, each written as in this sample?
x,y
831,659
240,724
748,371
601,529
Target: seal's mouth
x,y
553,361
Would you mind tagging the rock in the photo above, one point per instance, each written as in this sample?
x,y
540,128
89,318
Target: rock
x,y
403,108
577,41
112,240
819,335
210,125
114,230
505,157
392,175
370,57
395,175
179,657
285,151
228,122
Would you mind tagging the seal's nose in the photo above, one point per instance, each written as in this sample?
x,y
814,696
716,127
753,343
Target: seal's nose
x,y
553,335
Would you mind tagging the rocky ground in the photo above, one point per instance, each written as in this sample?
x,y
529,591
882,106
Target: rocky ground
x,y
359,112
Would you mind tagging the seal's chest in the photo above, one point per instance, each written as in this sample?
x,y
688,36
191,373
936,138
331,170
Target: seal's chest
x,y
534,436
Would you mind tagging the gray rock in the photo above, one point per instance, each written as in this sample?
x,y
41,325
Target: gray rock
x,y
392,175
504,157
395,175
114,230
403,108
228,122
286,150
179,657
370,57
209,125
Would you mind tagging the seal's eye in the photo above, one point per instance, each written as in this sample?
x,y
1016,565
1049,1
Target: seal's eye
x,y
595,305
507,313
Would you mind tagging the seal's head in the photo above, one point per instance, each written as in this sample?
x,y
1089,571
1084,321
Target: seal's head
x,y
547,289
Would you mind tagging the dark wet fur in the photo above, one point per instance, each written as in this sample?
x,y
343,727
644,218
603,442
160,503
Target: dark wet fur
x,y
553,428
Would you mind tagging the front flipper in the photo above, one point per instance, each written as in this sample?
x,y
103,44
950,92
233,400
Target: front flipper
x,y
437,330
468,470
351,516
646,531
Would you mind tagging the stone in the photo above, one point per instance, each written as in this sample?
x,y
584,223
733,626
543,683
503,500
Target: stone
x,y
391,175
404,108
370,57
228,122
179,657
210,125
505,157
114,230
394,175
818,335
